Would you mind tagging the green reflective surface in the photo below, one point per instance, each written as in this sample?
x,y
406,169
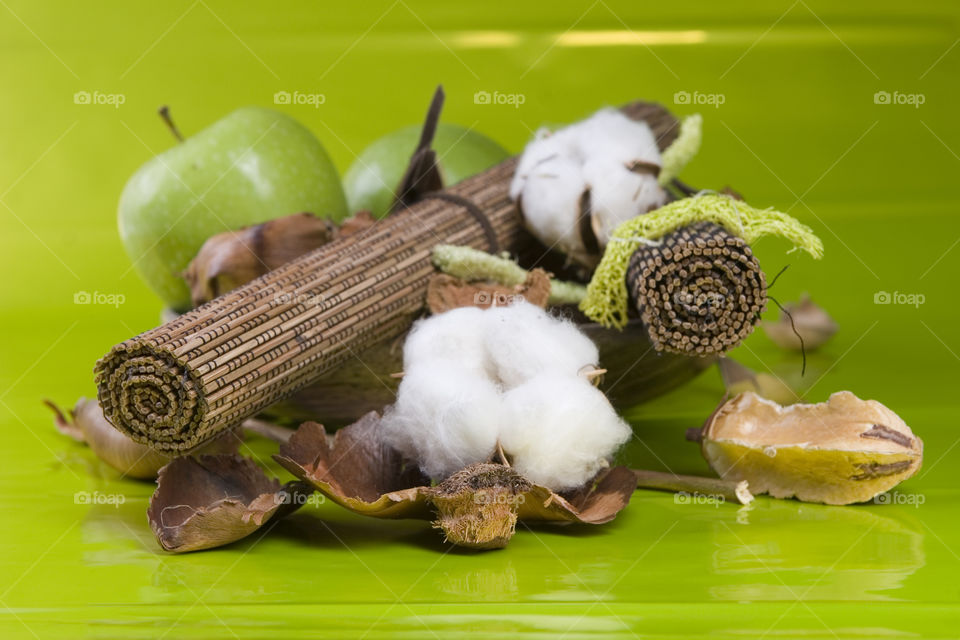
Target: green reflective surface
x,y
798,128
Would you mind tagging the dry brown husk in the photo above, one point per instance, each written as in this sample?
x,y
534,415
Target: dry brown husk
x,y
738,379
812,322
233,258
209,501
85,423
446,292
842,451
355,469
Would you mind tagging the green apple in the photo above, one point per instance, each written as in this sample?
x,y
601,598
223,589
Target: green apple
x,y
461,153
253,165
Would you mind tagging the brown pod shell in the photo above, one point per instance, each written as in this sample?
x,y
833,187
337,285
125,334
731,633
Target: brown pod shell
x,y
842,451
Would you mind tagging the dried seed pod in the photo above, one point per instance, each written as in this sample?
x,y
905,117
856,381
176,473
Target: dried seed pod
x,y
356,469
700,291
230,259
813,324
87,424
210,501
477,507
445,292
841,451
739,379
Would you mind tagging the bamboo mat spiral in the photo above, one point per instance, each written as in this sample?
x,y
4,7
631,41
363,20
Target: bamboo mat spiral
x,y
700,292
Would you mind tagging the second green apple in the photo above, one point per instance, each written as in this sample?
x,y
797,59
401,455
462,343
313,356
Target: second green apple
x,y
373,176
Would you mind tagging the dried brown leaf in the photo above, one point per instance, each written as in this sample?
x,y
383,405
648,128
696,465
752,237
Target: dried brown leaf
x,y
445,292
212,500
812,322
87,424
228,260
358,471
738,379
360,221
596,503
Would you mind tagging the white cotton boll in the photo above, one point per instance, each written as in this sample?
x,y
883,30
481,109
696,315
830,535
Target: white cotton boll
x,y
551,203
609,134
445,417
453,335
618,194
560,431
524,341
596,154
542,148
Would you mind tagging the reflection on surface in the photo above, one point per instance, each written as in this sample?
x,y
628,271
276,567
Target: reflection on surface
x,y
783,554
481,584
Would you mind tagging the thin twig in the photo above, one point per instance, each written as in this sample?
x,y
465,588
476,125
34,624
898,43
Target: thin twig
x,y
662,481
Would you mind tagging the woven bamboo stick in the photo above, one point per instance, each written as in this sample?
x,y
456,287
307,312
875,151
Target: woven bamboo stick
x,y
180,384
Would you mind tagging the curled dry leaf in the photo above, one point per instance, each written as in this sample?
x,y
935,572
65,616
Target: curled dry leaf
x,y
842,451
813,324
739,379
445,292
355,469
86,423
212,500
360,221
228,260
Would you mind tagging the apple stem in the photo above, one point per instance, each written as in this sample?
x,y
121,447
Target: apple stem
x,y
164,112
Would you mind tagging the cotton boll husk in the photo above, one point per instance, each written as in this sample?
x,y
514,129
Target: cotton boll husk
x,y
560,431
618,194
551,203
446,417
524,341
609,134
455,334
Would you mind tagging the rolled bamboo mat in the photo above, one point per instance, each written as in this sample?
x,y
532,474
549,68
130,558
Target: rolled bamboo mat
x,y
182,383
699,292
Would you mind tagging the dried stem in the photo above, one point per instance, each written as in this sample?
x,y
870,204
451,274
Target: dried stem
x,y
662,481
164,112
268,430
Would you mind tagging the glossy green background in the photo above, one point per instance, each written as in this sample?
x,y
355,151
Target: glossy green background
x,y
799,129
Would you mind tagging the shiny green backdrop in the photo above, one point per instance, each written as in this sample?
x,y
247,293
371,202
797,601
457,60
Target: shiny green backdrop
x,y
800,127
